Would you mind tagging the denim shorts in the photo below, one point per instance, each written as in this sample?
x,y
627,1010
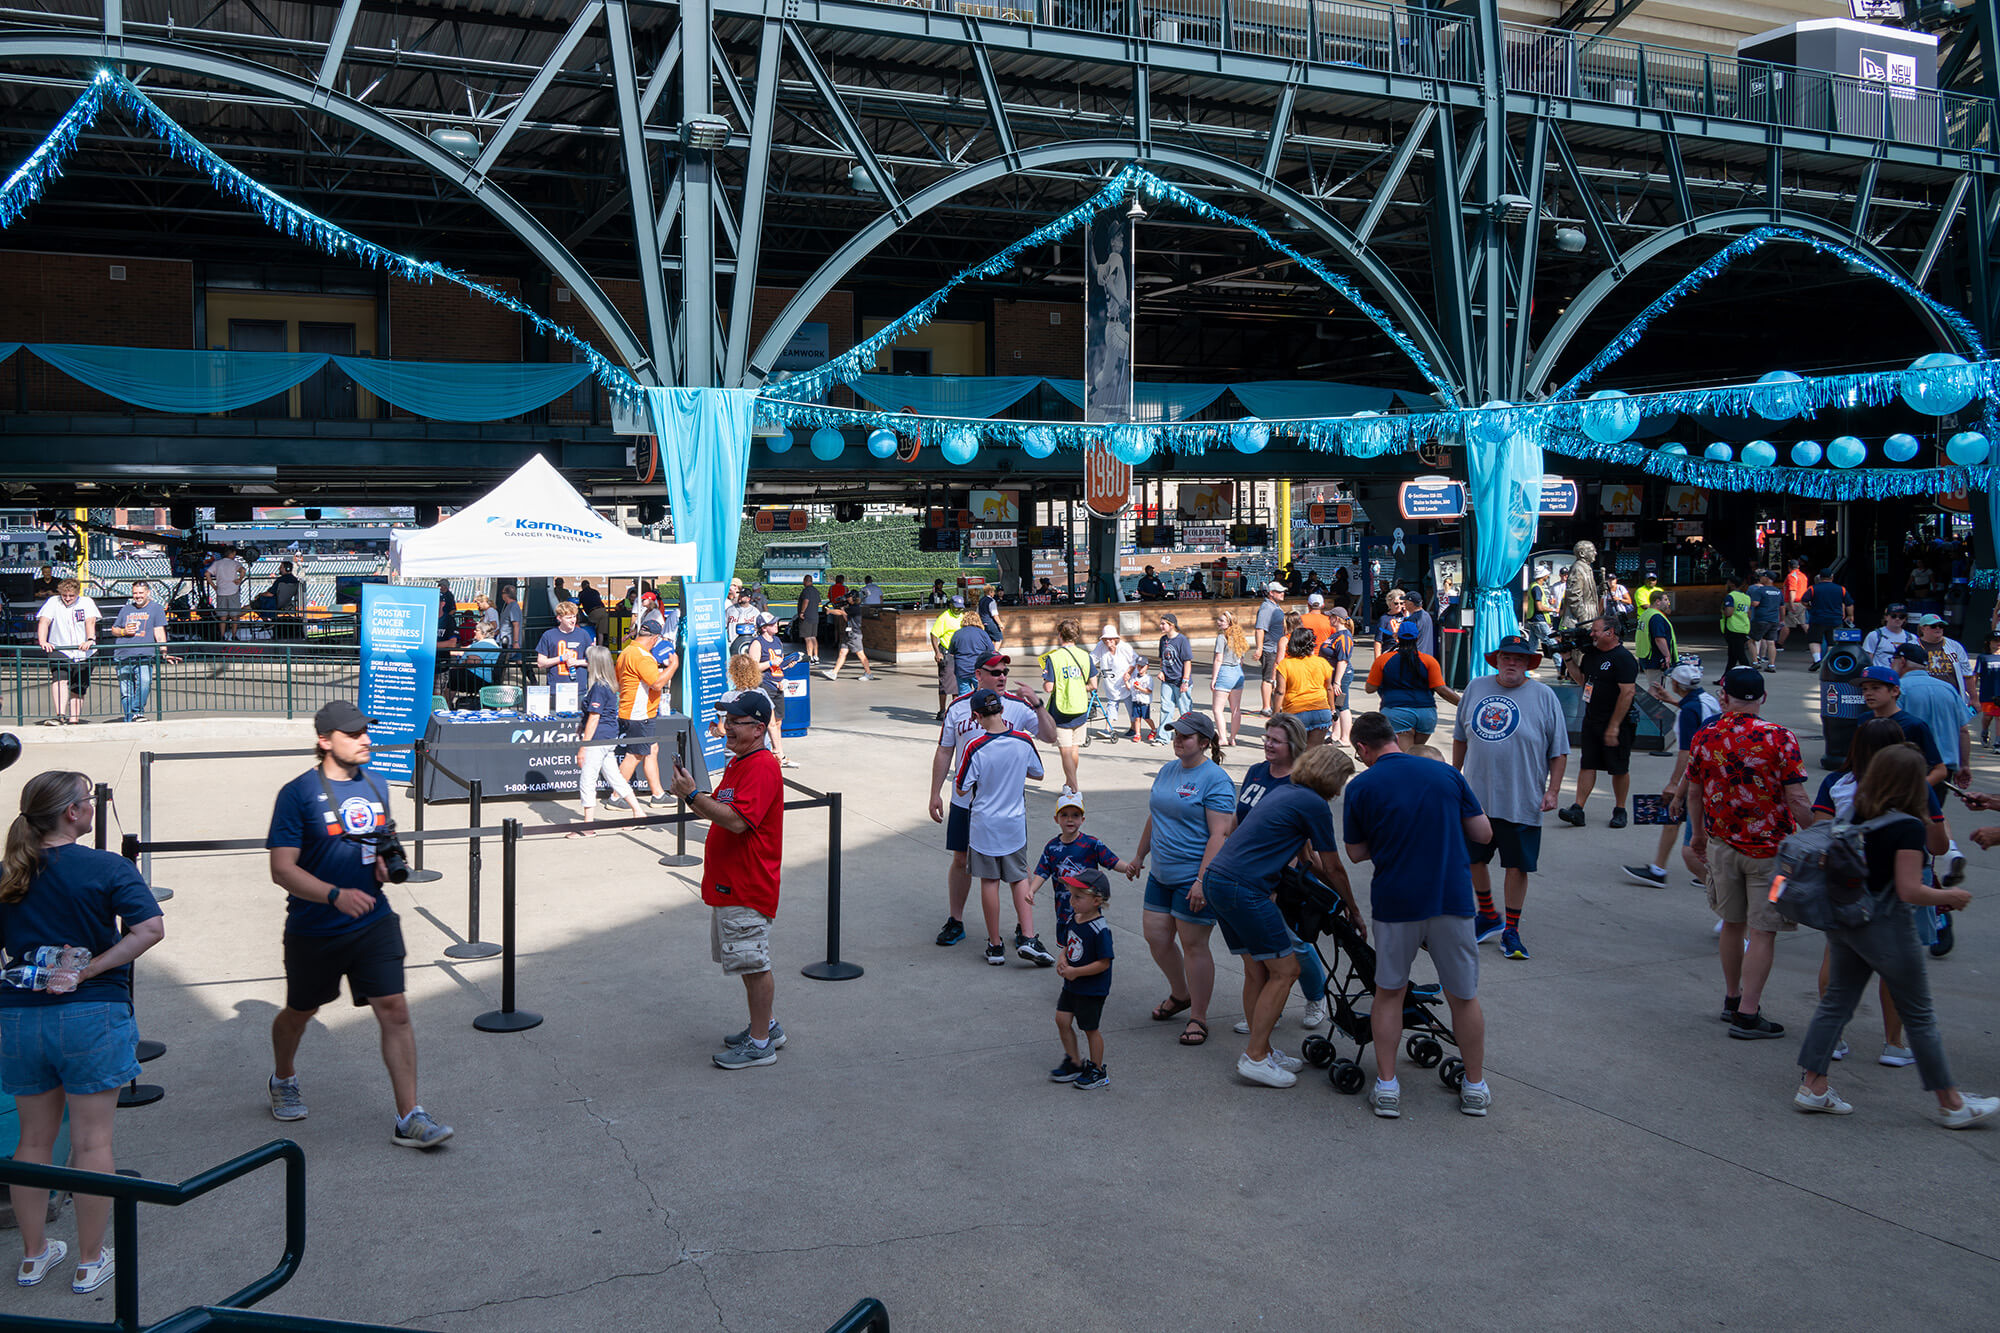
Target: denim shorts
x,y
1251,922
82,1047
1315,719
1229,678
1412,719
1173,900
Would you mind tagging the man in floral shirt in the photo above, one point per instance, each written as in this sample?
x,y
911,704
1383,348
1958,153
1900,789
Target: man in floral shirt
x,y
1745,792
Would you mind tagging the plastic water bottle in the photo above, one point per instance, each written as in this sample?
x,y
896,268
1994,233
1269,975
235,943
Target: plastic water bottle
x,y
26,977
54,968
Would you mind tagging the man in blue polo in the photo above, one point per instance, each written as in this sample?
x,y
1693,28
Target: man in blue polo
x,y
1828,608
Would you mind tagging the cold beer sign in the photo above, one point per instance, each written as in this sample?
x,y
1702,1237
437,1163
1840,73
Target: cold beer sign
x,y
1107,483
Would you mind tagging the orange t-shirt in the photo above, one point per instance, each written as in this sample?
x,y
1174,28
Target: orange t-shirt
x,y
1302,683
639,678
1321,626
1796,584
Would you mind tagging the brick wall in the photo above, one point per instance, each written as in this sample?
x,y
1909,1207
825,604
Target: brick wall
x,y
1023,328
72,299
441,321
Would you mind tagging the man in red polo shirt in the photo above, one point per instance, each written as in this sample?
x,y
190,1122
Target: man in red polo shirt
x,y
739,870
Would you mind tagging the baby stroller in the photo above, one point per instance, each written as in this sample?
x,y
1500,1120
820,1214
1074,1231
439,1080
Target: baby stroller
x,y
1311,907
1101,705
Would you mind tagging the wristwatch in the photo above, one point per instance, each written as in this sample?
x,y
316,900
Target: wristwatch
x,y
332,893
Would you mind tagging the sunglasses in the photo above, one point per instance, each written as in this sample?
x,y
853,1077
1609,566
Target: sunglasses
x,y
994,671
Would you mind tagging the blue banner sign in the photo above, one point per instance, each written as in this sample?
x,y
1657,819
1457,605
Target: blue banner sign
x,y
1559,498
399,635
1431,499
705,669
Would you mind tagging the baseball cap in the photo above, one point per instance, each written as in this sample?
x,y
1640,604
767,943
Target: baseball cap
x,y
1687,673
1339,613
994,661
341,715
1314,599
1912,652
1927,618
658,624
1069,798
766,618
1408,631
958,603
1895,609
1089,879
1274,586
1882,676
986,702
753,704
1742,683
1194,724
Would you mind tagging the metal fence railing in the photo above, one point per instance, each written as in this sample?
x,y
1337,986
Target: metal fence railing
x,y
279,679
1395,39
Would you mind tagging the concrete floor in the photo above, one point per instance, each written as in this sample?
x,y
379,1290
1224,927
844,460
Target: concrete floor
x,y
1639,1170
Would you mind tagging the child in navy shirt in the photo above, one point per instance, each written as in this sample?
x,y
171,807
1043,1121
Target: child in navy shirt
x,y
1987,671
1068,852
1084,964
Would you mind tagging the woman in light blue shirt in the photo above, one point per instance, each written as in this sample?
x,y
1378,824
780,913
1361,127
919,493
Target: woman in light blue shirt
x,y
1190,813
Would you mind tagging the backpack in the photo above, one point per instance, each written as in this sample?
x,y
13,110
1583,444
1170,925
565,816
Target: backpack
x,y
1821,878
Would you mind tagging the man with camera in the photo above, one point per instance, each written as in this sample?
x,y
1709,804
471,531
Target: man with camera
x,y
1609,675
333,845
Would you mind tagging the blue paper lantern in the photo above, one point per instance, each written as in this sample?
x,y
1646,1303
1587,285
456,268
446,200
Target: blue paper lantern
x,y
1250,435
828,443
1939,384
781,444
1846,451
1806,453
882,442
1760,453
1609,417
1492,423
961,445
1780,394
1968,448
1718,452
1675,448
1131,445
1900,448
1038,442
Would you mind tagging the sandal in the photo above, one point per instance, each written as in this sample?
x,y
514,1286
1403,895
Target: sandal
x,y
89,1277
34,1270
1170,1006
1191,1037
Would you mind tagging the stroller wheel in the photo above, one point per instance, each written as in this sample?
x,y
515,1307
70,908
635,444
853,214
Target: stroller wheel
x,y
1425,1051
1346,1076
1317,1051
1452,1073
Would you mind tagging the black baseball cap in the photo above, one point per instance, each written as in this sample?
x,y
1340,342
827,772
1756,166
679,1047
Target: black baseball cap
x,y
1745,683
1913,653
1895,609
986,702
753,704
1198,724
1090,880
341,715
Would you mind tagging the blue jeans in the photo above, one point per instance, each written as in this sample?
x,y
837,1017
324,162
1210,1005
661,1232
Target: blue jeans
x,y
1312,972
135,684
1174,700
1885,947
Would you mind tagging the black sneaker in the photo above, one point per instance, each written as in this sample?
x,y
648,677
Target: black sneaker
x,y
1944,936
1646,875
1067,1071
953,932
1618,817
996,955
1754,1027
1093,1077
1571,814
1032,950
1729,1003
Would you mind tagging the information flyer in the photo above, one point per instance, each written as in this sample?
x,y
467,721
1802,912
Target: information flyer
x,y
399,633
706,652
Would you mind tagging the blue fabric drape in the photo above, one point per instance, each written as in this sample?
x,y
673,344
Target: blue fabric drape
x,y
945,395
705,461
168,380
464,390
1506,478
8,349
1153,402
1279,400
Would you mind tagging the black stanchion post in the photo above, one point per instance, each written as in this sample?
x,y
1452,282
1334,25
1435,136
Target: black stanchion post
x,y
679,857
102,796
419,875
146,824
136,1093
474,947
507,1018
832,969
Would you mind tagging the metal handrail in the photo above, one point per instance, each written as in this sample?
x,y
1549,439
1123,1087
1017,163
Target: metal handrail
x,y
128,1192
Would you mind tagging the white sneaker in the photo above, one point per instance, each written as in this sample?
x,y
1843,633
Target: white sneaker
x,y
1975,1110
829,675
1291,1064
1242,1027
867,675
1315,1014
1387,1103
1272,1075
1840,1052
1951,868
1896,1057
1821,1103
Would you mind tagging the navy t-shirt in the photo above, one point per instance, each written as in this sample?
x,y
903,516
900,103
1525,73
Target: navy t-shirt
x,y
1832,795
78,898
1175,652
1987,667
1767,601
1286,817
579,640
602,703
1918,734
1061,858
1089,941
1410,811
1826,602
146,619
1697,710
1256,783
969,647
302,819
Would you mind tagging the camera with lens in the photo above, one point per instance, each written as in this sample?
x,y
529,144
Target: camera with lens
x,y
388,849
1575,639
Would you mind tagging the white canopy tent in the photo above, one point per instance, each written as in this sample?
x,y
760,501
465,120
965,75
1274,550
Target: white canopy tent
x,y
534,525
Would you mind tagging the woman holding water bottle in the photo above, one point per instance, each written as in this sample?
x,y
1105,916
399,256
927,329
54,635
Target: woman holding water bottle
x,y
67,1036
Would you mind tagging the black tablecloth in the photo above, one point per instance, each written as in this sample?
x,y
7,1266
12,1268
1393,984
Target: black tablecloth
x,y
534,756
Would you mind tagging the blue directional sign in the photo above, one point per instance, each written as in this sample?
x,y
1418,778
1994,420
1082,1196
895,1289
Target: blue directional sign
x,y
1559,498
1431,498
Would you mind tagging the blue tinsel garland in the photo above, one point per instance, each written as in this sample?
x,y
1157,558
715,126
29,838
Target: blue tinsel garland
x,y
1749,243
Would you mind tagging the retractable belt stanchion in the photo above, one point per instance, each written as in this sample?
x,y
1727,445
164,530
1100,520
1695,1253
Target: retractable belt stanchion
x,y
134,1093
507,1018
678,857
832,969
474,947
146,824
419,875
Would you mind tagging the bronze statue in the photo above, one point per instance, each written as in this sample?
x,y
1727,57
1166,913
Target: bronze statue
x,y
1581,603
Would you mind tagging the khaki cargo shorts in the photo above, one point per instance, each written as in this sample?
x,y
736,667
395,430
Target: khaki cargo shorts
x,y
739,938
1739,887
